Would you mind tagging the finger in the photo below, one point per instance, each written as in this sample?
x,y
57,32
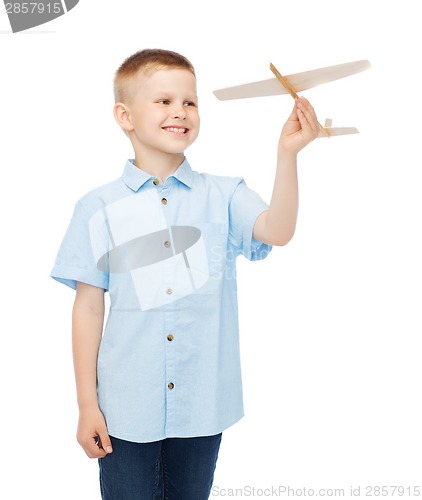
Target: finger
x,y
304,122
293,115
309,112
307,115
305,104
305,107
96,449
104,441
92,449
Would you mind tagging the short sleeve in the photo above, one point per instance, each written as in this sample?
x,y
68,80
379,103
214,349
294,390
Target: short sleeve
x,y
245,207
75,260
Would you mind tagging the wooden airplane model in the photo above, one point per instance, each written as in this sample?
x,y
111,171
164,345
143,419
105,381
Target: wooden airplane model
x,y
291,84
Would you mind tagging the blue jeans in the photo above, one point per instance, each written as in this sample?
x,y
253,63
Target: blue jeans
x,y
171,469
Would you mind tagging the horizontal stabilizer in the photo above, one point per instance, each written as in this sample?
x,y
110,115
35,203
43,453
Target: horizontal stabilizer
x,y
334,131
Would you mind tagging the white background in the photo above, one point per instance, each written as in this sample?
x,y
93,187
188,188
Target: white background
x,y
330,324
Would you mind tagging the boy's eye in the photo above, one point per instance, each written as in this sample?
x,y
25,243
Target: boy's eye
x,y
167,102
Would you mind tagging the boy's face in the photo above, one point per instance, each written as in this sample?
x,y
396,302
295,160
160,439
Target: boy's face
x,y
163,112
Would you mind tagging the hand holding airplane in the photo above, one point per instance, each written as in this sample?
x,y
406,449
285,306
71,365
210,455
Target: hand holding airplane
x,y
291,84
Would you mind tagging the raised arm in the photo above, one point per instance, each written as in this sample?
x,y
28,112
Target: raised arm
x,y
87,326
276,226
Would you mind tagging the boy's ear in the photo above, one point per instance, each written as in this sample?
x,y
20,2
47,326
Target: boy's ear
x,y
122,116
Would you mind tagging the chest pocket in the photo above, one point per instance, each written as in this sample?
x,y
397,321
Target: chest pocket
x,y
215,238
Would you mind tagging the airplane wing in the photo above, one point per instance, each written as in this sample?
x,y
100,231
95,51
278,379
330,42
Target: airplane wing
x,y
298,81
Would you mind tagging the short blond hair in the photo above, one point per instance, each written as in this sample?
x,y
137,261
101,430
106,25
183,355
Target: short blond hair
x,y
146,60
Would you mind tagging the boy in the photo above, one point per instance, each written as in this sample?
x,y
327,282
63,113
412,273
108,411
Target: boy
x,y
157,390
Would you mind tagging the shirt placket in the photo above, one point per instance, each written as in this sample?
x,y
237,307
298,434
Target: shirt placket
x,y
164,193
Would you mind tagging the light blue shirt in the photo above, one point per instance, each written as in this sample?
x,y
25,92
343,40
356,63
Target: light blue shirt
x,y
168,363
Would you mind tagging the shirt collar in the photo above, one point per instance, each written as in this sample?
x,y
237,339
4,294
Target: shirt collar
x,y
135,178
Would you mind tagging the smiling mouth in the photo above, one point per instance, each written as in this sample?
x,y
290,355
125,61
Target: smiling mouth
x,y
176,130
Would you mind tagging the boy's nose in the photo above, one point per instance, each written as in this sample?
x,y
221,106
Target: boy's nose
x,y
179,112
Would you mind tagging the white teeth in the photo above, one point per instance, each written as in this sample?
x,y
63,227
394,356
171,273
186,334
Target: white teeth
x,y
176,130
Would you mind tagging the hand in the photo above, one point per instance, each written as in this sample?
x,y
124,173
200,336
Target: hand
x,y
92,433
301,127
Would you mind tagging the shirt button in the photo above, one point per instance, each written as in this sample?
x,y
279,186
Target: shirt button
x,y
170,385
164,201
156,182
170,337
169,291
167,244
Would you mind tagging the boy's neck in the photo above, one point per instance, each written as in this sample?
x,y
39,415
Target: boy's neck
x,y
160,166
